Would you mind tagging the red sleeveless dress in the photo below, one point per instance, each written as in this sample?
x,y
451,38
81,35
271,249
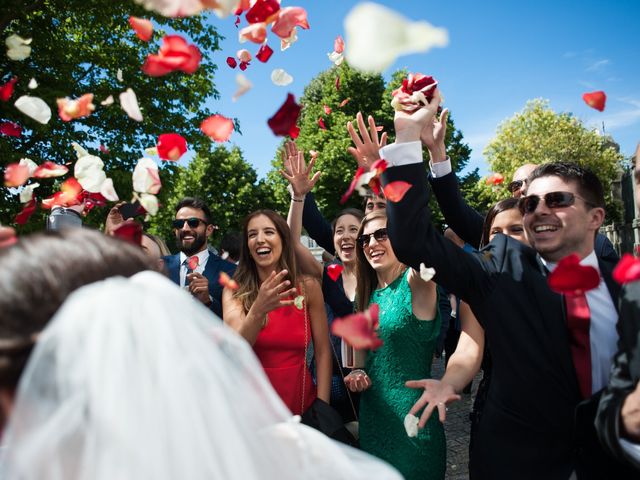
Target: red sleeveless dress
x,y
280,347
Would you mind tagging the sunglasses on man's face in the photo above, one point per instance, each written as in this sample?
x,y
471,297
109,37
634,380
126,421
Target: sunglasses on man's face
x,y
530,203
515,186
380,235
193,222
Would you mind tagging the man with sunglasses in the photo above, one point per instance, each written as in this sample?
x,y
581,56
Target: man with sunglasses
x,y
196,268
537,421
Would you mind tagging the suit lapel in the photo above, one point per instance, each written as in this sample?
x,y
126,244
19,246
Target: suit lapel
x,y
606,270
173,267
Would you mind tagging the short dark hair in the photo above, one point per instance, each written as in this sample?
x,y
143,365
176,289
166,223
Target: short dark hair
x,y
502,206
40,271
589,185
231,243
194,202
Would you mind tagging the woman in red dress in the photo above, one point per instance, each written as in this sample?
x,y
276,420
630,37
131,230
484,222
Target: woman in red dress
x,y
280,312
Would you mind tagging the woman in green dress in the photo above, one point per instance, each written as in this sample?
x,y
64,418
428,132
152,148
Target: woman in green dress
x,y
409,326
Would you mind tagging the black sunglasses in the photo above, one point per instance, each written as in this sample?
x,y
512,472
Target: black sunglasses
x,y
515,186
530,203
193,222
380,235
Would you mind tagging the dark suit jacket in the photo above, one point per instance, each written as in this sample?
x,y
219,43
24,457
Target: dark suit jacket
x,y
467,223
316,225
212,270
528,426
625,374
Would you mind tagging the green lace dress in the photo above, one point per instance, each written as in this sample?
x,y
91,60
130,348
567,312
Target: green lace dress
x,y
406,355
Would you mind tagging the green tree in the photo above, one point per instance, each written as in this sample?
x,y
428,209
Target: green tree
x,y
78,48
225,181
538,135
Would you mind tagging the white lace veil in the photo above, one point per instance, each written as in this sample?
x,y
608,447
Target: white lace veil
x,y
133,379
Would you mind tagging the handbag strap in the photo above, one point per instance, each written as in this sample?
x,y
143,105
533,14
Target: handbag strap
x,y
306,346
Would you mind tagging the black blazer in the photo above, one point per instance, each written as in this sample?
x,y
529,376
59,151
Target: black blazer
x,y
625,374
316,225
528,426
215,265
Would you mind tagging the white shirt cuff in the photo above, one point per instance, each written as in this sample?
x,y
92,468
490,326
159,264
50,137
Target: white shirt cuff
x,y
440,169
398,154
633,449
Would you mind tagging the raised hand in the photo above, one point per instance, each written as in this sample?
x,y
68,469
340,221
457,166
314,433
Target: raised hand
x,y
114,219
436,394
433,135
274,293
367,145
409,126
298,173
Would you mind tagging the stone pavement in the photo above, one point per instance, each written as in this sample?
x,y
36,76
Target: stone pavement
x,y
457,428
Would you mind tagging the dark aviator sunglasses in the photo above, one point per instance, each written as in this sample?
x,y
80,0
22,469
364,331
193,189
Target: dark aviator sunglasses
x,y
193,222
380,235
529,204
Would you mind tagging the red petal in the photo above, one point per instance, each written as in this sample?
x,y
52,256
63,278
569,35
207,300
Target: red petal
x,y
395,191
284,120
28,210
334,270
171,146
321,123
344,102
104,149
494,179
627,270
288,19
193,263
264,54
338,83
243,66
237,22
155,67
232,62
226,281
142,27
595,100
352,186
129,231
6,90
15,175
174,54
262,10
327,109
218,127
49,170
571,277
338,44
10,129
359,329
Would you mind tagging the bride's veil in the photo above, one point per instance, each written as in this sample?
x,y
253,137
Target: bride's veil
x,y
134,379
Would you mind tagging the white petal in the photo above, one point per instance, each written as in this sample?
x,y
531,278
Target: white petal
x,y
280,77
107,101
89,172
17,47
411,425
27,192
336,57
149,202
243,84
33,84
225,7
287,42
35,108
119,75
107,190
376,36
173,8
29,163
145,177
129,103
426,273
80,151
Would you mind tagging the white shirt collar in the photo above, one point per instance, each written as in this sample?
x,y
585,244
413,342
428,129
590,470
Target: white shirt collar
x,y
590,260
202,255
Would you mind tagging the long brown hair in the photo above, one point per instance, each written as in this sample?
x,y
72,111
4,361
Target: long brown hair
x,y
502,206
247,272
366,276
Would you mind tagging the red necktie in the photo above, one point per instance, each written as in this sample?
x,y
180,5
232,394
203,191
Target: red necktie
x,y
578,321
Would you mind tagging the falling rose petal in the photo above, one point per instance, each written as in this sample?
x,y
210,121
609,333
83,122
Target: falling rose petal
x,y
426,273
26,195
8,237
571,277
416,90
80,150
104,149
359,329
174,54
289,18
171,146
285,43
107,101
6,90
411,425
142,27
627,270
217,127
33,84
237,22
395,191
338,82
175,8
377,35
194,261
336,58
145,177
119,75
223,8
129,103
149,202
595,100
338,44
50,170
262,10
10,129
327,109
232,62
108,191
321,123
243,66
31,165
15,175
152,151
283,122
35,108
69,109
256,33
17,47
264,53
299,302
334,270
352,186
70,194
244,55
28,210
88,170
494,179
129,231
227,282
243,85
281,78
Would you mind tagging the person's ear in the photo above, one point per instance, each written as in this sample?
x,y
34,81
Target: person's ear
x,y
597,217
210,229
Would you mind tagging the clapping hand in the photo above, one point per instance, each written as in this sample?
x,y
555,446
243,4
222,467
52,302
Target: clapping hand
x,y
297,172
436,394
367,145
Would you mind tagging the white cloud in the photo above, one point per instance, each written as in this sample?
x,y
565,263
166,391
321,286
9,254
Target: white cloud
x,y
620,119
597,65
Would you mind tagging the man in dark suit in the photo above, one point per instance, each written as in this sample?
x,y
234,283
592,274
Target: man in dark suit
x,y
618,420
530,427
192,226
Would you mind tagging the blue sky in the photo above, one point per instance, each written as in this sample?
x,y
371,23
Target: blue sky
x,y
500,54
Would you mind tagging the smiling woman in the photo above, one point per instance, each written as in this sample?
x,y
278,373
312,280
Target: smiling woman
x,y
280,312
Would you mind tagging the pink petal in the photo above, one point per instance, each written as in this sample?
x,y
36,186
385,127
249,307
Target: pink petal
x,y
69,109
142,27
359,329
288,18
217,127
244,55
50,170
395,191
15,175
327,109
256,33
338,44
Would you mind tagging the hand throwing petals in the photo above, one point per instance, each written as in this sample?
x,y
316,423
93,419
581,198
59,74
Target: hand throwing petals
x,y
129,103
35,108
281,78
217,127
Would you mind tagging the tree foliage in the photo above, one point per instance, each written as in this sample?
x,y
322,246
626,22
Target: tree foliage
x,y
78,48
